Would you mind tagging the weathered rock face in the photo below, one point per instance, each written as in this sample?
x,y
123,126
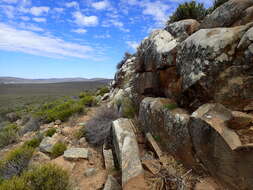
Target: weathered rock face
x,y
157,51
170,126
209,70
246,17
227,14
208,61
183,29
127,151
219,148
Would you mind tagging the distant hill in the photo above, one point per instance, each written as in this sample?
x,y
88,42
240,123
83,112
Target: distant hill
x,y
14,80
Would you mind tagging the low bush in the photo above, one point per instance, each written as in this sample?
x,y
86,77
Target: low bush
x,y
32,125
8,134
50,132
216,4
34,142
79,133
189,10
128,108
170,106
58,149
126,57
60,109
88,100
44,177
103,91
15,162
97,129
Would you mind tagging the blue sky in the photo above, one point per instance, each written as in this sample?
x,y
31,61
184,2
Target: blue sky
x,y
82,38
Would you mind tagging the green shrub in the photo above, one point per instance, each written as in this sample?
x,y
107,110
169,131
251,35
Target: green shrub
x,y
50,132
125,58
60,109
103,91
129,109
171,106
16,183
44,177
189,10
88,100
15,161
34,143
79,133
8,135
58,149
216,4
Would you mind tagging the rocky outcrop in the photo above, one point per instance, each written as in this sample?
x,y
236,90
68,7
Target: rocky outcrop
x,y
127,152
169,125
227,14
219,148
208,62
183,29
193,91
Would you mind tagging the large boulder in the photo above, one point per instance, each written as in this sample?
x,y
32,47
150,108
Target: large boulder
x,y
157,51
226,14
246,17
212,67
127,152
183,28
219,148
169,124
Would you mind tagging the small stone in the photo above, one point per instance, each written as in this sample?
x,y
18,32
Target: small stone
x,y
57,122
76,153
90,172
82,124
82,141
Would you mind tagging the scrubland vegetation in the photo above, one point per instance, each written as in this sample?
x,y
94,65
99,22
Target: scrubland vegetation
x,y
194,10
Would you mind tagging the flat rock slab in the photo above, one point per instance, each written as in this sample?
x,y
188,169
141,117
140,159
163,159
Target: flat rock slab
x,y
76,153
111,184
108,159
154,145
153,166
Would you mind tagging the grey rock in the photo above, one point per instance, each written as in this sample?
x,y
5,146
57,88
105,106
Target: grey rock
x,y
127,150
111,184
226,14
76,153
156,51
183,28
90,172
47,144
108,158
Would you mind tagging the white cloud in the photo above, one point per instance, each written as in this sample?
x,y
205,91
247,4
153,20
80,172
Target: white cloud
x,y
10,1
79,31
31,27
25,18
59,10
8,10
156,9
37,11
101,5
72,4
39,19
132,44
116,23
83,20
103,36
12,39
